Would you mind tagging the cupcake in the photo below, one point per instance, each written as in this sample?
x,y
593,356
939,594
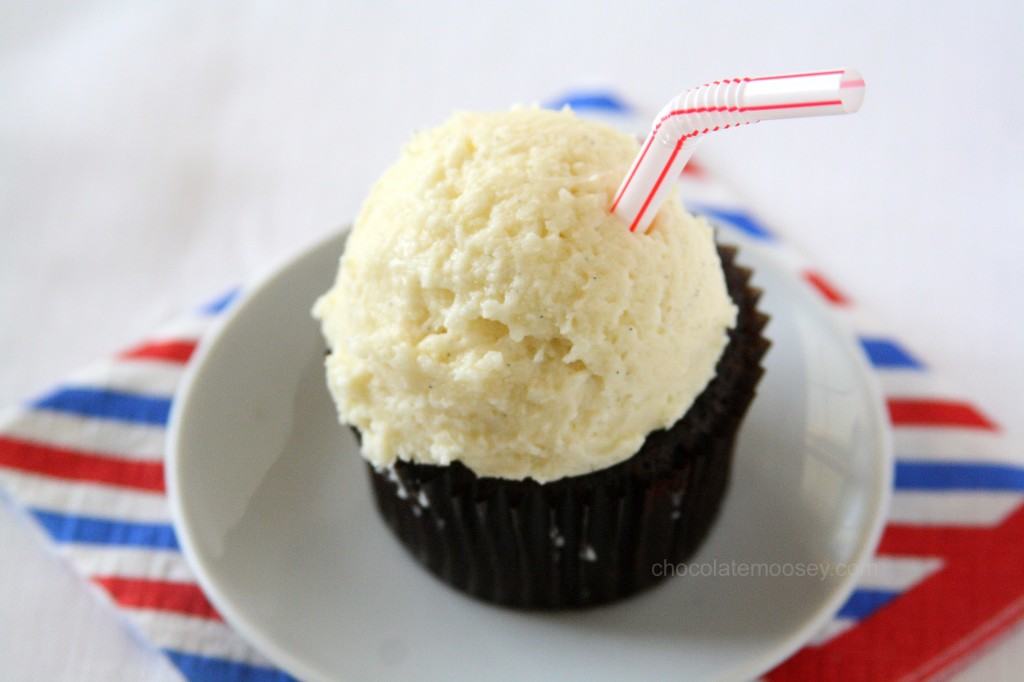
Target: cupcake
x,y
547,402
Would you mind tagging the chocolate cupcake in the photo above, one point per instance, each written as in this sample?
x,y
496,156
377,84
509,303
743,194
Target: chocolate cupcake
x,y
547,402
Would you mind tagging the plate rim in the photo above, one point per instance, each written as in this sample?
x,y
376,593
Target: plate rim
x,y
885,455
295,665
251,634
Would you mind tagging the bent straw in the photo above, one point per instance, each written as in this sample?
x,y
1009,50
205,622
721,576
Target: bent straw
x,y
720,105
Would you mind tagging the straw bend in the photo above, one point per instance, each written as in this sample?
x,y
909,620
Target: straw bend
x,y
720,105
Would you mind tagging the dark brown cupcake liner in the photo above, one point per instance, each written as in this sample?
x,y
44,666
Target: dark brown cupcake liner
x,y
591,539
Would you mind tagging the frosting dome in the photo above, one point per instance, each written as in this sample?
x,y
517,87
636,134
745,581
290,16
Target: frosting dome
x,y
488,308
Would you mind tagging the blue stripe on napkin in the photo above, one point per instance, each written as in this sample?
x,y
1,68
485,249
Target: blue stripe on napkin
x,y
931,475
862,603
886,353
590,100
94,530
741,220
200,668
103,403
221,303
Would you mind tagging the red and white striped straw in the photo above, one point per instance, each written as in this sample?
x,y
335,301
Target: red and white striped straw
x,y
717,106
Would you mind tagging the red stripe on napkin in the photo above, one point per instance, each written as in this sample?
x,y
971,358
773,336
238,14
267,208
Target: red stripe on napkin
x,y
825,288
170,351
945,618
78,465
161,595
925,412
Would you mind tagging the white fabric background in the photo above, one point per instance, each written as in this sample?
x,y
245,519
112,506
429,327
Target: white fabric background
x,y
152,154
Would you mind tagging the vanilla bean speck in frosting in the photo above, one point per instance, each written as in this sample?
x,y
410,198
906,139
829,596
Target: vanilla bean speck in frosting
x,y
490,310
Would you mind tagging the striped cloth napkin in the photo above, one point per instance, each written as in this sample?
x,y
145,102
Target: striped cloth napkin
x,y
85,461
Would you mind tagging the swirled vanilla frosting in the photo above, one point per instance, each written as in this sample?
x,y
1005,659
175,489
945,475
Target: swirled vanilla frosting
x,y
489,310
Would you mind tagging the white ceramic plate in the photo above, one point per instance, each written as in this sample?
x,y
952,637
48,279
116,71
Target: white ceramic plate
x,y
273,510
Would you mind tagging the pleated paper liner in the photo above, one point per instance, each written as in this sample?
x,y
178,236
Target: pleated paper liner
x,y
591,539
